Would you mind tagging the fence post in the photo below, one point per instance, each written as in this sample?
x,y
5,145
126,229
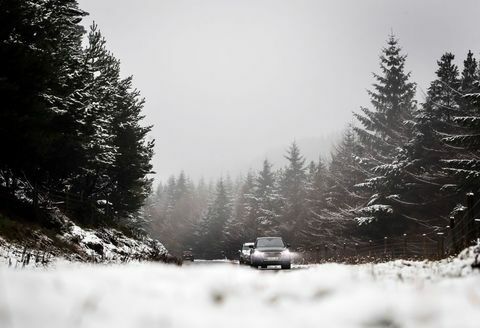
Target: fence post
x,y
404,245
477,230
459,230
317,248
424,245
356,250
370,249
385,246
440,244
326,252
344,251
453,238
471,218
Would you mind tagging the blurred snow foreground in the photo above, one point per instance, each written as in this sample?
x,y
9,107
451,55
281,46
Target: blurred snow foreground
x,y
394,294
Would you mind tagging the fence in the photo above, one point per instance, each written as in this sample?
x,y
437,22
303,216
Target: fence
x,y
462,231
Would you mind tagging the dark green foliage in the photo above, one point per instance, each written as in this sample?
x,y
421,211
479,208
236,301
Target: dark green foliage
x,y
215,223
267,201
40,54
68,122
464,164
293,192
242,225
384,132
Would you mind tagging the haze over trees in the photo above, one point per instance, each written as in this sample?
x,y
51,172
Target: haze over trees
x,y
402,167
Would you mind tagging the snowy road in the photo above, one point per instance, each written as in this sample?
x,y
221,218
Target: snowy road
x,y
397,294
222,263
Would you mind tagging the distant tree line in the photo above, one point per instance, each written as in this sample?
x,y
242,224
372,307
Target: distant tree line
x,y
68,121
402,167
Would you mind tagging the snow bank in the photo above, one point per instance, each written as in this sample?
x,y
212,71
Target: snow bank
x,y
396,294
78,244
110,245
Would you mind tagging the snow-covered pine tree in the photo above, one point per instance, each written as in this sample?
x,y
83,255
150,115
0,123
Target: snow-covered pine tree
x,y
132,164
470,75
344,172
464,138
267,200
435,191
219,213
40,56
383,134
240,227
317,221
293,193
161,213
101,75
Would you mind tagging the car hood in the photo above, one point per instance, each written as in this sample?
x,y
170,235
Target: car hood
x,y
270,249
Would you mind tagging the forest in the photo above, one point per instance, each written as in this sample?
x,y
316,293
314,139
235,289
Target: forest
x,y
71,128
72,132
403,167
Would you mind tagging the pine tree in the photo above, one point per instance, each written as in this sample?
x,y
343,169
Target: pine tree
x,y
443,92
384,133
219,213
435,191
317,185
293,191
101,75
267,203
468,84
40,56
316,221
240,227
463,162
184,214
344,173
132,163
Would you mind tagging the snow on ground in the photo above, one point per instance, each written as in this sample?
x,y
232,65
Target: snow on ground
x,y
395,294
100,245
112,245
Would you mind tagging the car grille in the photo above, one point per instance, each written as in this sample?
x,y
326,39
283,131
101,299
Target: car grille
x,y
273,254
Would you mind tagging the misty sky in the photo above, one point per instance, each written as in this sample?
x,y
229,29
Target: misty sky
x,y
228,82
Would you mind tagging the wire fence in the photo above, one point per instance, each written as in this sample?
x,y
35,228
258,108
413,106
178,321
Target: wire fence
x,y
462,231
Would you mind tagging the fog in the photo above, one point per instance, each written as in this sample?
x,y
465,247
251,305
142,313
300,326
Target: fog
x,y
230,82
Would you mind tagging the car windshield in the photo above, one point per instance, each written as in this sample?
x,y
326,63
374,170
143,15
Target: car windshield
x,y
270,242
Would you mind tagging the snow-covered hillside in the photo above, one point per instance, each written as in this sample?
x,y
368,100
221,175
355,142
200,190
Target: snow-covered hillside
x,y
103,245
396,294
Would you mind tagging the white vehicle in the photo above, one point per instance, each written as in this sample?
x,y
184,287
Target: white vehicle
x,y
245,253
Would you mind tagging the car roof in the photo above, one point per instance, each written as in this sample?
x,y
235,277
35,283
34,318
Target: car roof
x,y
269,238
248,244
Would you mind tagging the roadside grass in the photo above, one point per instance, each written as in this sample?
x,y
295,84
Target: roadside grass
x,y
31,235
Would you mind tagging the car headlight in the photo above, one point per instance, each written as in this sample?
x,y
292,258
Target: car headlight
x,y
258,254
286,253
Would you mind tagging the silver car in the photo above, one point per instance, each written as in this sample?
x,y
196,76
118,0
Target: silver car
x,y
270,251
245,253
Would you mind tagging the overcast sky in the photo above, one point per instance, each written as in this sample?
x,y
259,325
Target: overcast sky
x,y
228,81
